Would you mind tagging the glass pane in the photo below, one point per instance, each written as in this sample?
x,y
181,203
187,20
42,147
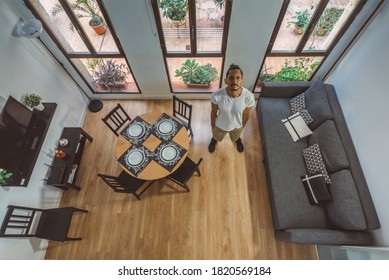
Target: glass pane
x,y
194,74
94,25
294,23
175,25
209,25
332,20
106,75
59,25
287,69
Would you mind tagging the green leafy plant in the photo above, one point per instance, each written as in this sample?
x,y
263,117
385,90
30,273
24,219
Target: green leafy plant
x,y
4,175
301,19
82,8
264,75
174,9
301,70
31,100
328,19
193,73
110,75
92,63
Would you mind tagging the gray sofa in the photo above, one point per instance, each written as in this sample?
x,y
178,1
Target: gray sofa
x,y
351,216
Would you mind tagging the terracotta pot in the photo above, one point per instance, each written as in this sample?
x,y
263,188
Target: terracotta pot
x,y
299,30
321,31
99,29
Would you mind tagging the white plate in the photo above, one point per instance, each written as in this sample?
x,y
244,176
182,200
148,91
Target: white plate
x,y
166,126
169,153
135,130
134,158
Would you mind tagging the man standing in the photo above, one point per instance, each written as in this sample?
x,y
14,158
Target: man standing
x,y
231,107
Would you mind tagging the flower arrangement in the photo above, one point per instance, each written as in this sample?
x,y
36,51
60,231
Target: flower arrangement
x,y
59,153
4,175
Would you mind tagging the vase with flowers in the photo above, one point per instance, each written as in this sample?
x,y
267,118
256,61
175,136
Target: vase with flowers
x,y
59,153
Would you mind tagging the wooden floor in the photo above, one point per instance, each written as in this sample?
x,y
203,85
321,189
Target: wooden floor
x,y
226,215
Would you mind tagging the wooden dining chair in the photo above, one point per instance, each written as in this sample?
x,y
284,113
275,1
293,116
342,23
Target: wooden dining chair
x,y
125,183
183,112
116,119
186,170
51,224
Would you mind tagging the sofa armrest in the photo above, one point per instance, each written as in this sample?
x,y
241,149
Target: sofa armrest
x,y
283,89
317,236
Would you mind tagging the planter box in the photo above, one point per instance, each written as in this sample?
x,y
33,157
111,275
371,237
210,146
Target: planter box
x,y
198,85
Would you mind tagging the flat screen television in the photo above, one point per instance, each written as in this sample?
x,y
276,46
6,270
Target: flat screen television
x,y
22,132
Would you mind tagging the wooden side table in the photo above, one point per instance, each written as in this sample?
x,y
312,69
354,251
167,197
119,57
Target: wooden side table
x,y
62,174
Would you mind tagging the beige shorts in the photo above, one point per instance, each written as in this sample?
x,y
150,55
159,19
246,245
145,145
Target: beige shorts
x,y
219,133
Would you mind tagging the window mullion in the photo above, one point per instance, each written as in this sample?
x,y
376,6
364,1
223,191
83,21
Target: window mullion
x,y
77,26
311,26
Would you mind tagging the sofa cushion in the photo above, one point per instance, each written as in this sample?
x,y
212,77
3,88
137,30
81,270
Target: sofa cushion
x,y
314,162
331,146
316,102
345,210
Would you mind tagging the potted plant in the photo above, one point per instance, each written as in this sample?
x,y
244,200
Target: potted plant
x,y
264,76
84,8
33,101
4,175
174,10
327,20
195,75
300,22
110,75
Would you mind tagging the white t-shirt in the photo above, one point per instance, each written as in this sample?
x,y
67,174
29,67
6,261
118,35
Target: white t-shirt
x,y
231,109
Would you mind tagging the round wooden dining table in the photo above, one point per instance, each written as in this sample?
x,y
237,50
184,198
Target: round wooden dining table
x,y
152,142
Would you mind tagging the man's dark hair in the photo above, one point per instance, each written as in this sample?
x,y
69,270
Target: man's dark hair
x,y
233,67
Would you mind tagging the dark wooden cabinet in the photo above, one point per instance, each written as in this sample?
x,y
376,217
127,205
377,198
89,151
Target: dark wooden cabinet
x,y
63,171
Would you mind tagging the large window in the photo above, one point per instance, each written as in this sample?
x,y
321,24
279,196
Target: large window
x,y
305,33
83,32
193,36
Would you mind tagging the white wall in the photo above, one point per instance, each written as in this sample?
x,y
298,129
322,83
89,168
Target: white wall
x,y
361,81
26,66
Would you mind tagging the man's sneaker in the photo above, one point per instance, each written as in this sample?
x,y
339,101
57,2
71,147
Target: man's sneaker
x,y
212,145
239,145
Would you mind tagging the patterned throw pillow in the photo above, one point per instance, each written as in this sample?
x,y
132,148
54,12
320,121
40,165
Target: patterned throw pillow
x,y
314,162
297,104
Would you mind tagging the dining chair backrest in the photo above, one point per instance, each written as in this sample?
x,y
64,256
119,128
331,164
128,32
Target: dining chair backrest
x,y
116,118
183,111
186,170
125,183
51,224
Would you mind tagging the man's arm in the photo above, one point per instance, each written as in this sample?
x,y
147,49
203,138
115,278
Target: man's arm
x,y
214,111
246,115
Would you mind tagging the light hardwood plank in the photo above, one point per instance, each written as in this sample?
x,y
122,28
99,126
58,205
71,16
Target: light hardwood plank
x,y
226,215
